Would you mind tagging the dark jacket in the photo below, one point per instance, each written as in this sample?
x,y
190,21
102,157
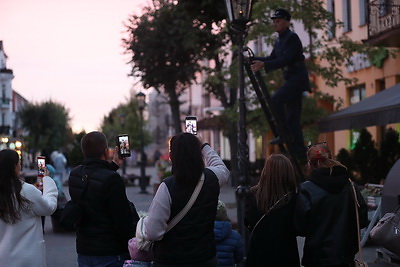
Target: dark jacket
x,y
325,216
273,242
230,249
192,239
108,221
288,56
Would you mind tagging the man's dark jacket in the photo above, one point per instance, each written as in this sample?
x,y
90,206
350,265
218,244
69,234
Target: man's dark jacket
x,y
108,220
325,215
288,56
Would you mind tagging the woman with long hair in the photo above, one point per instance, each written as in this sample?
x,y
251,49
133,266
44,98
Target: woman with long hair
x,y
325,212
21,208
269,216
191,242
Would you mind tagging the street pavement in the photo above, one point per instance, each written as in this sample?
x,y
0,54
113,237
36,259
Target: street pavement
x,y
61,246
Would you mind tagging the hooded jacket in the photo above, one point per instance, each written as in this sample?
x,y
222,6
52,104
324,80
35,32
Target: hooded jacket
x,y
325,216
229,243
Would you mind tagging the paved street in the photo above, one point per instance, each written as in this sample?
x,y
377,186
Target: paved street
x,y
61,246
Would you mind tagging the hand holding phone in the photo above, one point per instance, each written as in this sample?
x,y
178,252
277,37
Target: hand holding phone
x,y
191,124
122,142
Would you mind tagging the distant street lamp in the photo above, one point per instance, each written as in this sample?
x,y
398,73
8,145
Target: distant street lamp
x,y
239,12
122,121
141,101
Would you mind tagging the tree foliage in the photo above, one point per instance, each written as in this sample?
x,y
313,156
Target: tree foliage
x,y
75,156
389,152
47,125
327,53
125,119
367,164
165,49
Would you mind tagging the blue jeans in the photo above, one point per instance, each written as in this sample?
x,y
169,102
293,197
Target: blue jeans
x,y
102,261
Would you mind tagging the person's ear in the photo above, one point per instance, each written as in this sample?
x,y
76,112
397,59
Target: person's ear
x,y
105,154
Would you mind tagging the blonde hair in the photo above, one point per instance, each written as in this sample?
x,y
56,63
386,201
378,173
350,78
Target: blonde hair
x,y
320,156
277,182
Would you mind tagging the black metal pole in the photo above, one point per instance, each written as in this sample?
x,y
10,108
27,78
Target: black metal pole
x,y
143,158
243,152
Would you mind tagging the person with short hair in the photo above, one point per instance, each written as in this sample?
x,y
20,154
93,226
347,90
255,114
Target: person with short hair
x,y
269,216
325,212
288,56
21,207
109,219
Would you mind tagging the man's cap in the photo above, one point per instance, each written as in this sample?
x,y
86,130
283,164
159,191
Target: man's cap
x,y
281,14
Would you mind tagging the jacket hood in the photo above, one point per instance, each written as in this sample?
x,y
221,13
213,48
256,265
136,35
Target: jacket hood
x,y
222,229
332,182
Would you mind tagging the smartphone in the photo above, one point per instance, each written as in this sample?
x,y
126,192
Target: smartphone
x,y
41,164
191,124
122,141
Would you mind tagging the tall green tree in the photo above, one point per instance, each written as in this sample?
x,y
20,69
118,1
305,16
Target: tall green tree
x,y
220,76
125,119
47,125
164,50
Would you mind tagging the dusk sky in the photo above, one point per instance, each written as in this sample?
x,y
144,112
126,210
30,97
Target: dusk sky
x,y
69,51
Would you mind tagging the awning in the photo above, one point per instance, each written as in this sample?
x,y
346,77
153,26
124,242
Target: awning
x,y
380,109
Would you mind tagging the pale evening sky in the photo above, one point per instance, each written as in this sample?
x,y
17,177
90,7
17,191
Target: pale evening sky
x,y
69,51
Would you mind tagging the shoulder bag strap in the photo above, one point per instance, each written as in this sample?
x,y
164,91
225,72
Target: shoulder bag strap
x,y
190,203
273,206
84,178
356,205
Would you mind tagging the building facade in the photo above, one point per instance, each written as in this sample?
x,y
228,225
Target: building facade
x,y
377,23
10,103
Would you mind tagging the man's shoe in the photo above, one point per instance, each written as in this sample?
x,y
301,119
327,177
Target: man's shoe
x,y
276,141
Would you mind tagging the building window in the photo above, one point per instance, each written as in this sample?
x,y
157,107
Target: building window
x,y
363,11
332,22
384,7
346,15
356,94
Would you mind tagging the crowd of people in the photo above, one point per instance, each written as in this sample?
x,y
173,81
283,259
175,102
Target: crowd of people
x,y
278,209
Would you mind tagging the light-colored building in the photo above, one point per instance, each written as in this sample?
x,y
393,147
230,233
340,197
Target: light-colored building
x,y
6,77
10,103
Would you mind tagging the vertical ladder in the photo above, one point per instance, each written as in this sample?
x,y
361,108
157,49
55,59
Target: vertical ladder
x,y
286,147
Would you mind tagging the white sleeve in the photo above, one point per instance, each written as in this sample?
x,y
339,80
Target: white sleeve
x,y
46,203
155,223
214,162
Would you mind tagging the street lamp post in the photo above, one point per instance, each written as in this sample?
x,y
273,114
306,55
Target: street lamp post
x,y
239,12
141,101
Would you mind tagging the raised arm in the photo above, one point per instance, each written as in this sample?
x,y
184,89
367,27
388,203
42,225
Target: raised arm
x,y
214,162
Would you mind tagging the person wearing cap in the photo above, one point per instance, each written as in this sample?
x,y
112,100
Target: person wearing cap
x,y
229,243
287,55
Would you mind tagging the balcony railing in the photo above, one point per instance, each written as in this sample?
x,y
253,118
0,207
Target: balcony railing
x,y
384,18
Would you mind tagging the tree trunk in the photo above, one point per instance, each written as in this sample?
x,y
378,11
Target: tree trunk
x,y
174,104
